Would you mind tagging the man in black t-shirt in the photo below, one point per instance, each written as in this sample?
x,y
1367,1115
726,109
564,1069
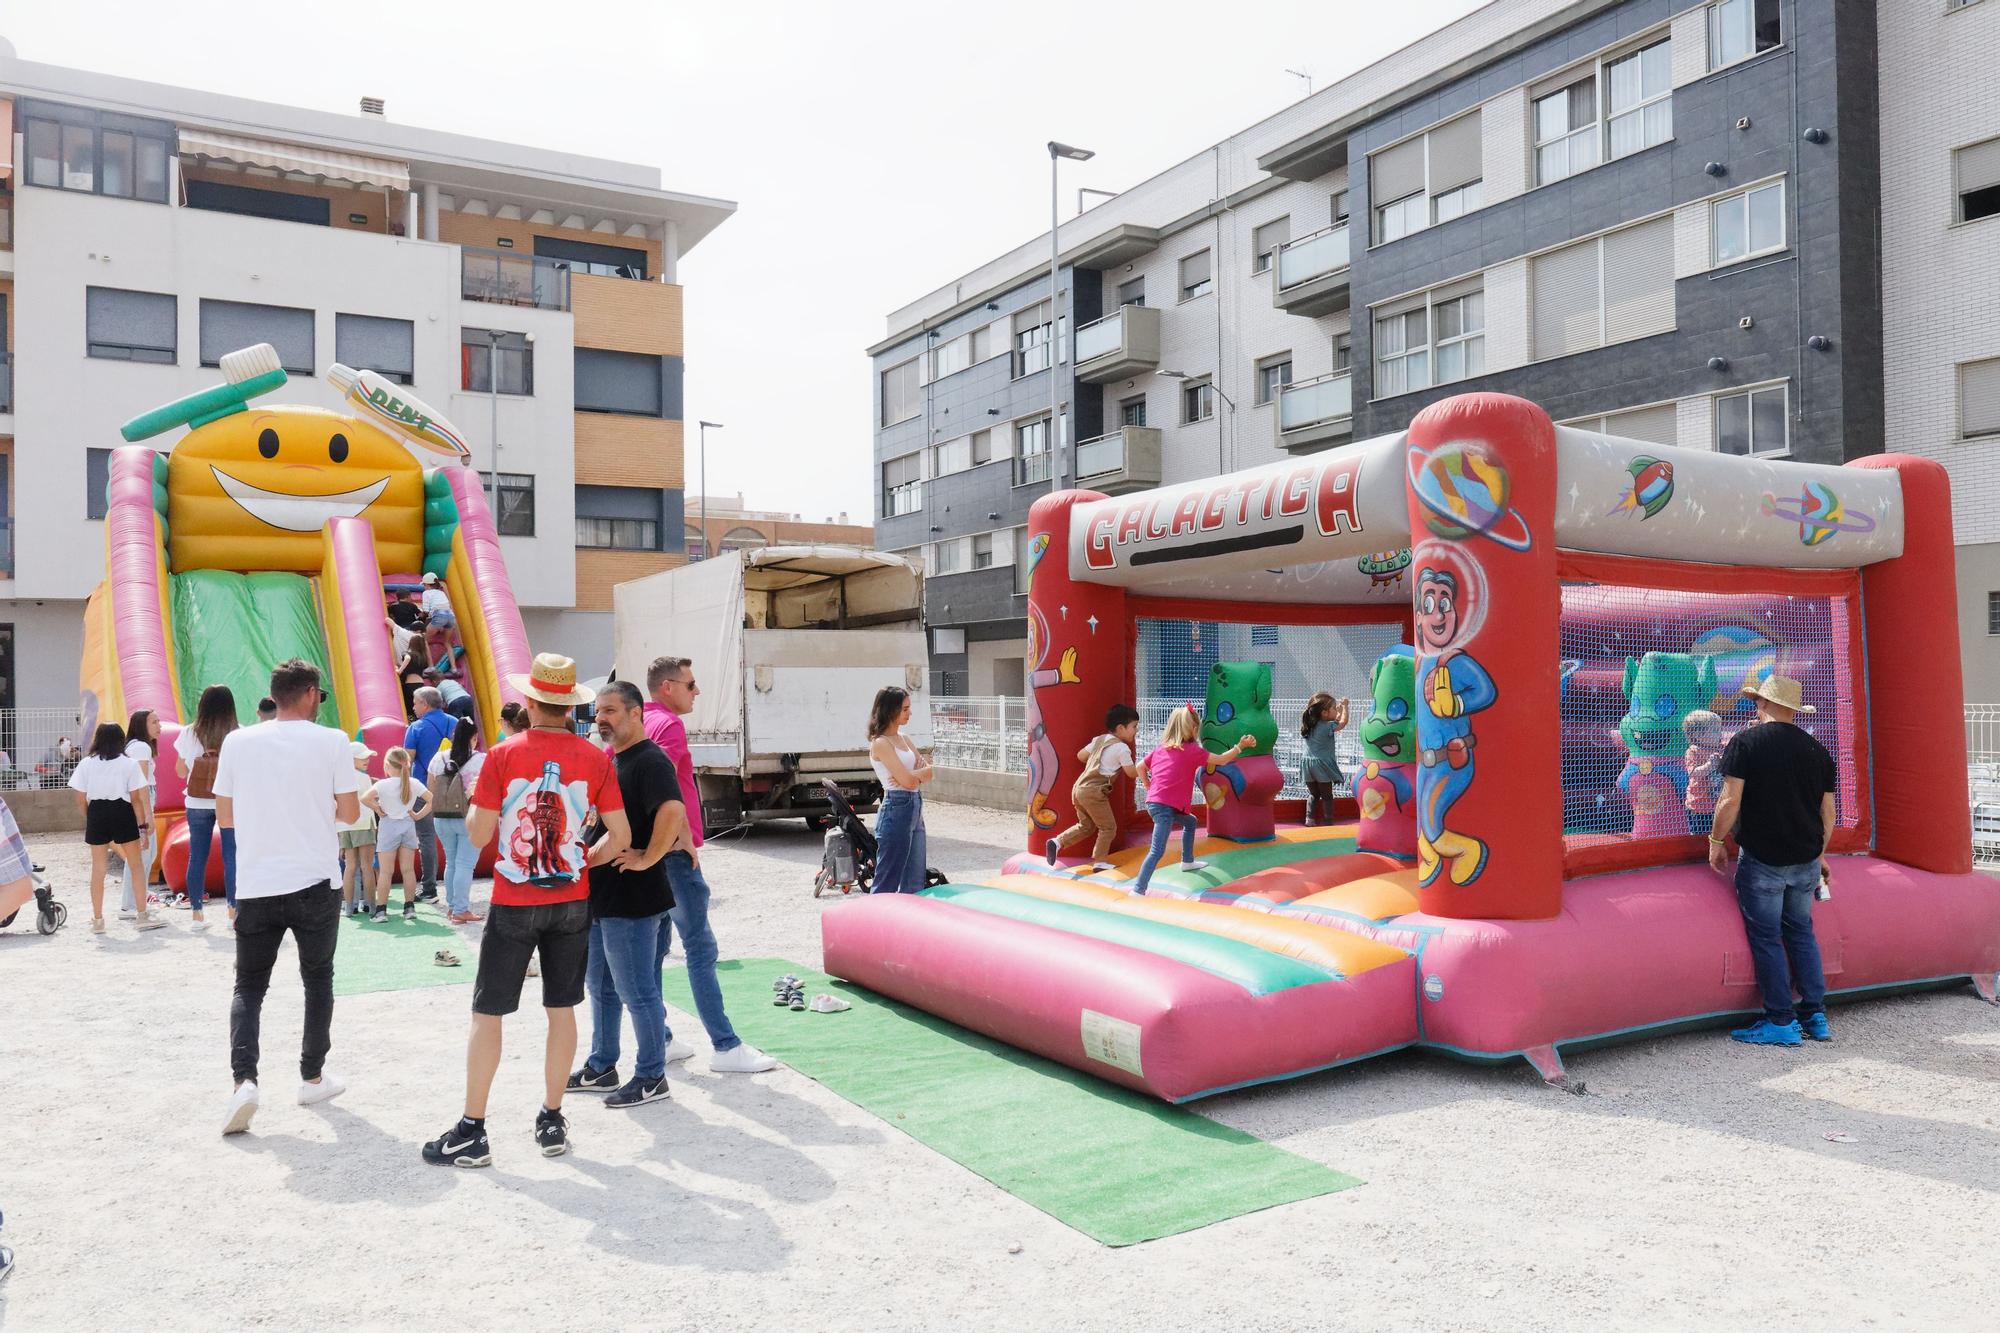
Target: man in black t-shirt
x,y
629,900
1777,796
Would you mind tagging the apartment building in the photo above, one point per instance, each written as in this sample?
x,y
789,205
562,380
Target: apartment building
x,y
717,523
531,295
1653,217
1941,283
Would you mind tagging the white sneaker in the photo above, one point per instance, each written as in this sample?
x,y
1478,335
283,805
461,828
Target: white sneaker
x,y
128,914
744,1059
196,926
150,921
678,1050
242,1106
1194,865
330,1085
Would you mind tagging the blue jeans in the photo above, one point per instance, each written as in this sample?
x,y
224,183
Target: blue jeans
x,y
900,848
201,825
1776,902
690,917
460,859
1165,818
625,974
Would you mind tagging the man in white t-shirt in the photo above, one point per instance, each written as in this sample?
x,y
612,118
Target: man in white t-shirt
x,y
282,786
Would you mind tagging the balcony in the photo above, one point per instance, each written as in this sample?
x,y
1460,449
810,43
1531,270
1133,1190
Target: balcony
x,y
1119,345
1316,412
1312,276
1126,460
503,277
6,382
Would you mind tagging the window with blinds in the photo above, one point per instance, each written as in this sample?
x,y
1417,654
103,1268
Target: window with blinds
x,y
902,485
1657,424
1196,275
1979,399
130,326
1267,239
1608,289
228,326
1429,179
1977,169
900,398
370,342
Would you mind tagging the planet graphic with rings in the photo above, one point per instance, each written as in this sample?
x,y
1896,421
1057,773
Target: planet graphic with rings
x,y
1464,493
1818,512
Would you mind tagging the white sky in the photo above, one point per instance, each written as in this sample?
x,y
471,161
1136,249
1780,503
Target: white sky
x,y
876,150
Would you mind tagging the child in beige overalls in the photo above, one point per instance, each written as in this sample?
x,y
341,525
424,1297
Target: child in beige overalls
x,y
1092,793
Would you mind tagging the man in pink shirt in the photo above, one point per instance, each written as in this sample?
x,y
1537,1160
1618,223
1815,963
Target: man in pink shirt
x,y
670,682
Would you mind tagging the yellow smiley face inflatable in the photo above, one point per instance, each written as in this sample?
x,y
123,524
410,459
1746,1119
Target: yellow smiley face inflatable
x,y
255,489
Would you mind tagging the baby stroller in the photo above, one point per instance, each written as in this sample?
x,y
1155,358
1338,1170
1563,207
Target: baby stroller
x,y
848,863
50,915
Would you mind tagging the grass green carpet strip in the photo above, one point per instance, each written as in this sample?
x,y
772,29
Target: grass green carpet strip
x,y
1118,1166
397,955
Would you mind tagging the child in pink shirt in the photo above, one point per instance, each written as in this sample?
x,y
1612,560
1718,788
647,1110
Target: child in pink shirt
x,y
1169,774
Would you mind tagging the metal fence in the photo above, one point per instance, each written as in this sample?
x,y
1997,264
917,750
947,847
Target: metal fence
x,y
1982,755
39,747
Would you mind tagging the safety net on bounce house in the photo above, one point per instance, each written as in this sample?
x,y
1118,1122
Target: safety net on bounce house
x,y
1544,635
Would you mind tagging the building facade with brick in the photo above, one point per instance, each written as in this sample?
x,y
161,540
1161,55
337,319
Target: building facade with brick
x,y
730,526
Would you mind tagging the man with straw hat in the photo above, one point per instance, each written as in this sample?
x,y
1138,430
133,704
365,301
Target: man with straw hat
x,y
1777,796
535,793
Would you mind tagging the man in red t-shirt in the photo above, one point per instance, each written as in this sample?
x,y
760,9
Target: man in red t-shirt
x,y
535,793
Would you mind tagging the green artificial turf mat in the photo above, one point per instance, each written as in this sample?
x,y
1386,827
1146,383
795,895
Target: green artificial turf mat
x,y
397,955
1116,1165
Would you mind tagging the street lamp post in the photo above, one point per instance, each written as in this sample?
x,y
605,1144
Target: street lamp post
x,y
493,396
706,427
1057,151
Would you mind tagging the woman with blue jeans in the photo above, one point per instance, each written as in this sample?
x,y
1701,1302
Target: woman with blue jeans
x,y
198,746
454,769
900,845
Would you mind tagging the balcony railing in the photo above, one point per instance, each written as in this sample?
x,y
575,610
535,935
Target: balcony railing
x,y
1104,454
6,548
1328,398
6,381
1313,256
506,278
7,223
1100,336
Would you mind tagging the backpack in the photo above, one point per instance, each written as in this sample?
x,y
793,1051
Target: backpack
x,y
201,775
448,793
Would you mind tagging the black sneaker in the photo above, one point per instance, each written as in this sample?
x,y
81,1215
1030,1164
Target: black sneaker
x,y
587,1079
379,915
409,911
427,896
639,1091
552,1132
461,1145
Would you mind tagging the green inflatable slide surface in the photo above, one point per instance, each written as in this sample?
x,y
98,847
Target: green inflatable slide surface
x,y
231,629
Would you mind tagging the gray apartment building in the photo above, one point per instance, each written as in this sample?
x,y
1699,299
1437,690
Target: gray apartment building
x,y
1654,218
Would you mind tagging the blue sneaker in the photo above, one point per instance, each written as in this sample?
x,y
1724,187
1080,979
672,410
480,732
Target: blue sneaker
x,y
1766,1033
1816,1028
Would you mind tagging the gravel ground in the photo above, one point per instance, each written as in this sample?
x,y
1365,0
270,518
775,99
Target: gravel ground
x,y
1692,1186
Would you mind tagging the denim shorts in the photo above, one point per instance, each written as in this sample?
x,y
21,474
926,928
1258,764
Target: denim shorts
x,y
559,931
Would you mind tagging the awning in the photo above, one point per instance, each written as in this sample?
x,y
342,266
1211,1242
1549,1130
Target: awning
x,y
321,162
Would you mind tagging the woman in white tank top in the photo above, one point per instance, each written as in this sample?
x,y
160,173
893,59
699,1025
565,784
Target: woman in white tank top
x,y
899,826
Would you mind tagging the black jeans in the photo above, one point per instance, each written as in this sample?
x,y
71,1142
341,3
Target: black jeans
x,y
313,916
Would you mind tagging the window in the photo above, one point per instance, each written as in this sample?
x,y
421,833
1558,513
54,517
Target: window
x,y
1738,29
1431,178
229,326
481,360
96,482
1273,374
1343,351
71,148
625,383
618,534
1993,613
1031,339
130,326
611,261
697,549
1132,411
218,197
1031,449
1195,275
902,485
947,557
1639,109
981,447
982,551
515,516
1133,292
1023,561
742,539
385,346
1978,173
1657,424
1979,399
1197,402
901,397
1746,224
1609,289
1566,131
952,456
1339,207
1438,338
1751,423
965,350
1266,240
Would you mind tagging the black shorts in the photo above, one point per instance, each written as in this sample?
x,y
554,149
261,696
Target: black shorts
x,y
560,932
110,824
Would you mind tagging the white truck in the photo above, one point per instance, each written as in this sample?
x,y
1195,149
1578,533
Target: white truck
x,y
790,644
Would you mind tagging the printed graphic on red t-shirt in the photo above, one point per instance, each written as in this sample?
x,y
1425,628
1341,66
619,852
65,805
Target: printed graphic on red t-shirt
x,y
543,784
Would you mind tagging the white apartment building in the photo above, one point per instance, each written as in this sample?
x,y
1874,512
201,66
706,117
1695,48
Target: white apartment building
x,y
531,295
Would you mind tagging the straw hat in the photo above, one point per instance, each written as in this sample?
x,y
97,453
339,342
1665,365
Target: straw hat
x,y
553,681
1780,690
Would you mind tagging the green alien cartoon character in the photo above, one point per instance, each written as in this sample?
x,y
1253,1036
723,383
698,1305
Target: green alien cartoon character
x,y
1661,689
1240,793
1385,788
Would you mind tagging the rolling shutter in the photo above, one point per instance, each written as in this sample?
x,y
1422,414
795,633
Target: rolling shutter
x,y
1396,172
1979,398
1979,166
1563,287
1455,153
1639,280
1654,425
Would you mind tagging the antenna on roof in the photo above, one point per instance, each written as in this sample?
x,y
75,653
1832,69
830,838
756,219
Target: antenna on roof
x,y
1302,74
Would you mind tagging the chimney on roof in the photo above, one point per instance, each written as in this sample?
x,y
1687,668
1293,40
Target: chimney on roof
x,y
843,517
372,106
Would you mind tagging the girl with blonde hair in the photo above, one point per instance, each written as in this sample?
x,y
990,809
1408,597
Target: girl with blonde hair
x,y
399,801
